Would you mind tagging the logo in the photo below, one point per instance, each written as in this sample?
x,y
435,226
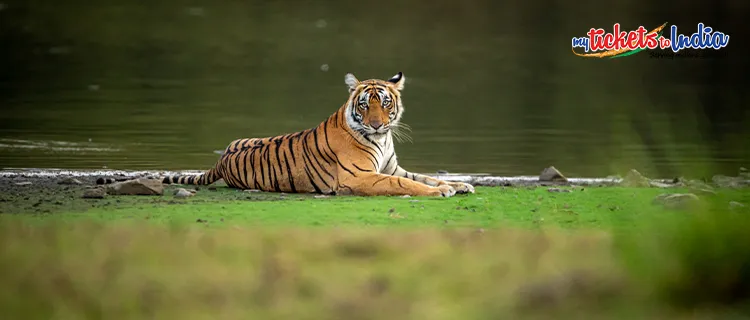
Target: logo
x,y
598,44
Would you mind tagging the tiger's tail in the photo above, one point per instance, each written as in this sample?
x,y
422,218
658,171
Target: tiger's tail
x,y
206,178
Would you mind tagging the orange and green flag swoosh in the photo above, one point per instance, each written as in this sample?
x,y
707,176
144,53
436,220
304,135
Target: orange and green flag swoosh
x,y
622,52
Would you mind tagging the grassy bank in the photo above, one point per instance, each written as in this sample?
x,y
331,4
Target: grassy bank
x,y
516,253
602,208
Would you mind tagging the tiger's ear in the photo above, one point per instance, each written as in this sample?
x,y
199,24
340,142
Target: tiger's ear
x,y
351,81
398,81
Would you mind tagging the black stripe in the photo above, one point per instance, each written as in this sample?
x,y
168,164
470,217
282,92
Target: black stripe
x,y
309,176
269,165
253,152
360,169
278,163
381,179
291,150
328,143
363,149
234,145
375,144
239,175
389,162
308,151
246,161
289,173
306,156
335,119
317,147
226,168
223,168
233,167
239,160
271,168
263,166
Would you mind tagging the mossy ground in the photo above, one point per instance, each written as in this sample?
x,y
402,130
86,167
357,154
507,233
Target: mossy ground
x,y
605,253
602,208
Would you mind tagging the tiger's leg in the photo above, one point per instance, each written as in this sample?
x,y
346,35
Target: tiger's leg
x,y
377,184
430,181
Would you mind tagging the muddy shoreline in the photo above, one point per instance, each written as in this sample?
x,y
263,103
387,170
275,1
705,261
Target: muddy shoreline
x,y
476,179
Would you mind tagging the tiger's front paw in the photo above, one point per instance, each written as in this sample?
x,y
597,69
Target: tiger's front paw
x,y
444,191
462,187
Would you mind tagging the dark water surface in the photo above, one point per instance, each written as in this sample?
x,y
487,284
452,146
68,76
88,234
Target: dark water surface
x,y
491,87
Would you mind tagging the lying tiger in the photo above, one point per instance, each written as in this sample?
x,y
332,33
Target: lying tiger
x,y
351,153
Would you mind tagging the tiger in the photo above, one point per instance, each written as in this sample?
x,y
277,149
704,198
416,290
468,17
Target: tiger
x,y
350,153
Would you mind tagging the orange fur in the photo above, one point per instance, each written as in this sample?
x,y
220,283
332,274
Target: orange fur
x,y
351,152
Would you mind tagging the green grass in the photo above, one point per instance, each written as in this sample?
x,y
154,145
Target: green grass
x,y
513,253
598,208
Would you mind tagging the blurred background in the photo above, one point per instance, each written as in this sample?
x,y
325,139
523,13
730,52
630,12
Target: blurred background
x,y
492,86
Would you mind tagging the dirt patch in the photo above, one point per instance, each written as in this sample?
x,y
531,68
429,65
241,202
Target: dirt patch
x,y
49,195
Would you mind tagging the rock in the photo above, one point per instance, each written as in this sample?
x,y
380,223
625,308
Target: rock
x,y
699,187
678,181
744,173
696,184
551,174
406,196
182,193
137,187
321,196
727,182
557,190
657,184
252,190
23,183
70,181
703,191
734,205
635,179
442,172
676,200
94,193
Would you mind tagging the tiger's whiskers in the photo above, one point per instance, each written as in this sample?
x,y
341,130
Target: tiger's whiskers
x,y
400,132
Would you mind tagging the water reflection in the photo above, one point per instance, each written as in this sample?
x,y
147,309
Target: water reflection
x,y
163,86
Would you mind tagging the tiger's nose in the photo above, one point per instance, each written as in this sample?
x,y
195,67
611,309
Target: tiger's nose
x,y
376,125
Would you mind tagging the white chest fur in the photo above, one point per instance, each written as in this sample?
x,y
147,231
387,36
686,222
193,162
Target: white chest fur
x,y
384,152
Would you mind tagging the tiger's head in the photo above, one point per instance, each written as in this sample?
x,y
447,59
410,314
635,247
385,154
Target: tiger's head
x,y
374,105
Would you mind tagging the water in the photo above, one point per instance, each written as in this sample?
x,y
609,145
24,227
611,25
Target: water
x,y
491,88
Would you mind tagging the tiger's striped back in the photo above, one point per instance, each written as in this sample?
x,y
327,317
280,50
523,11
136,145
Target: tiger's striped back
x,y
303,162
298,162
